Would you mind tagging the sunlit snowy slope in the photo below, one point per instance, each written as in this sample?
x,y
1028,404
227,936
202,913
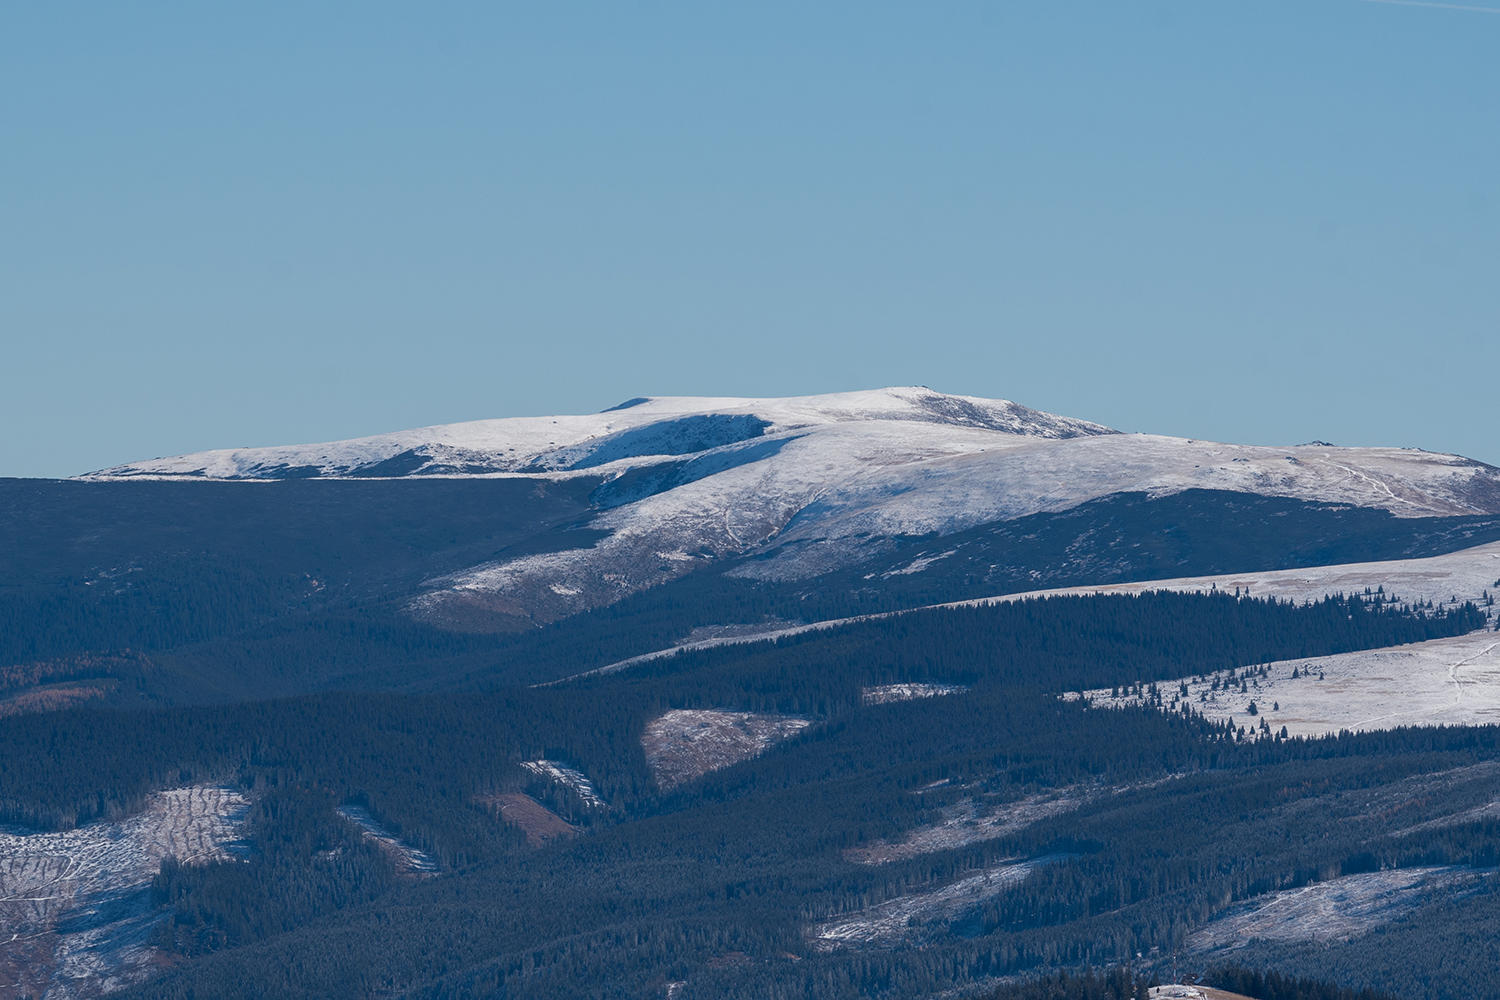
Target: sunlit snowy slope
x,y
798,487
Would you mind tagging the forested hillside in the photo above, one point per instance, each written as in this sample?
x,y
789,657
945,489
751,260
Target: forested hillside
x,y
742,882
159,593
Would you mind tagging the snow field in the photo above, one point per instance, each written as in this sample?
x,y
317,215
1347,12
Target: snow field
x,y
1465,575
837,478
1452,682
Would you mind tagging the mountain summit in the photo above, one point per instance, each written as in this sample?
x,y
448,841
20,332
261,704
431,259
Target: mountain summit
x,y
781,490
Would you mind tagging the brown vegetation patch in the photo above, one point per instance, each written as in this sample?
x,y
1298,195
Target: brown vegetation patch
x,y
473,612
539,823
70,668
48,700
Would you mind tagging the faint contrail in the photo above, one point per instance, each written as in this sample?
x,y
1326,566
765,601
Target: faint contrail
x,y
1444,6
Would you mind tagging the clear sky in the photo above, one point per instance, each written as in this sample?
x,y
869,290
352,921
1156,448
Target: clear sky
x,y
248,224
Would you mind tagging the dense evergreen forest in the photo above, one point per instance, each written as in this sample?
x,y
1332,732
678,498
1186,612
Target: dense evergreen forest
x,y
717,885
212,592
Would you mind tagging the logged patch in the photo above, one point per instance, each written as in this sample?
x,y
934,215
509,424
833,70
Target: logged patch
x,y
75,906
539,823
967,823
1336,910
568,777
409,858
887,693
685,744
908,917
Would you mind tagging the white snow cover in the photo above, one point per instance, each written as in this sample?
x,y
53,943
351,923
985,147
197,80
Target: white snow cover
x,y
1452,682
816,483
556,442
685,743
899,919
1466,575
884,694
1445,682
410,859
567,776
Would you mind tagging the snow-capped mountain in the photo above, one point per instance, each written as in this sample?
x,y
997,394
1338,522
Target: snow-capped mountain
x,y
636,431
794,488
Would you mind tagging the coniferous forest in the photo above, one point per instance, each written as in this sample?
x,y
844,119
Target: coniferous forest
x,y
781,874
714,884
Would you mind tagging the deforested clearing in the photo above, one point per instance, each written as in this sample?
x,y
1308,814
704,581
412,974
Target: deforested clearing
x,y
970,822
409,858
75,907
1336,910
901,918
1454,682
539,823
884,694
1183,992
568,777
685,744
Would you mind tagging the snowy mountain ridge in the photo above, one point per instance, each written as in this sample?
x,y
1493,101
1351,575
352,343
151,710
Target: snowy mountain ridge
x,y
637,429
793,488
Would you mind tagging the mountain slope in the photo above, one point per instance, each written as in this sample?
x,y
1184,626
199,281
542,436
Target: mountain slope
x,y
785,490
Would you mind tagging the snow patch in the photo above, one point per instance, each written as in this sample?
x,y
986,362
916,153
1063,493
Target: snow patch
x,y
967,823
1465,575
897,920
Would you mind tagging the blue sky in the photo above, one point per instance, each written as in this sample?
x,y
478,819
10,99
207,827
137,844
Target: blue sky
x,y
226,225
